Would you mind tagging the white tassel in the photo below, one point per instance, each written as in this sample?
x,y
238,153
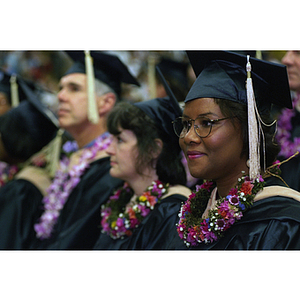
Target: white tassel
x,y
253,131
93,114
14,91
54,152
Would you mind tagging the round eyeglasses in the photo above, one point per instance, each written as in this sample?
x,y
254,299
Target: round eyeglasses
x,y
202,126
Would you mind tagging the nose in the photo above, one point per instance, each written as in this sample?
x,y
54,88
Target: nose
x,y
61,95
110,150
288,58
191,136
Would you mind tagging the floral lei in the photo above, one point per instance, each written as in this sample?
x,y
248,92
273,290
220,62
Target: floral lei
x,y
64,182
7,172
119,219
288,146
193,229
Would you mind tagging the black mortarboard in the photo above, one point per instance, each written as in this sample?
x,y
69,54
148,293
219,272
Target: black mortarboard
x,y
174,69
107,68
163,111
222,74
27,128
6,86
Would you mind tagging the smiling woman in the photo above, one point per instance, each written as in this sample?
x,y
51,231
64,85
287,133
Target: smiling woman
x,y
242,203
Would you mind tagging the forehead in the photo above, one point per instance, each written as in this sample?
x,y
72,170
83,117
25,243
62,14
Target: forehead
x,y
202,106
74,78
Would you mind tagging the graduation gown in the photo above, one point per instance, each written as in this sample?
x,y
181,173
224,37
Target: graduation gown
x,y
78,225
272,223
290,172
155,232
20,202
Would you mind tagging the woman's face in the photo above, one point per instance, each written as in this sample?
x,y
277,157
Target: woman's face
x,y
123,153
217,156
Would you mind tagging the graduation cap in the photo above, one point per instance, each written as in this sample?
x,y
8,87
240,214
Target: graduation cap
x,y
9,86
242,79
175,70
163,111
27,128
107,68
223,75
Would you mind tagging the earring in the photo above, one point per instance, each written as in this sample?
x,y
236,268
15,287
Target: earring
x,y
248,163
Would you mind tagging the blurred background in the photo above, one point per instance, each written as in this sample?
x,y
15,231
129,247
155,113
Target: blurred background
x,y
47,67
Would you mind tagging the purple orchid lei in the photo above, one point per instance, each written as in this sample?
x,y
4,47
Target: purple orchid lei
x,y
7,172
119,219
288,146
64,182
193,229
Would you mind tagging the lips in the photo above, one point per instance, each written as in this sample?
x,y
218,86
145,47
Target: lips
x,y
194,154
62,111
112,163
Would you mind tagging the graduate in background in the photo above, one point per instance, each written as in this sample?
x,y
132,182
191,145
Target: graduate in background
x,y
144,153
70,210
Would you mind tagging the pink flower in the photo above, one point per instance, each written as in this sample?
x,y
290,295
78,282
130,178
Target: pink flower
x,y
220,223
205,185
119,222
233,200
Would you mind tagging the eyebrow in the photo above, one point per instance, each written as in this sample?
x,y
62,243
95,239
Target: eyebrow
x,y
70,84
201,115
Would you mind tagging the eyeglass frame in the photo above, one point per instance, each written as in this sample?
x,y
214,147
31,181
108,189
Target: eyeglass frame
x,y
196,126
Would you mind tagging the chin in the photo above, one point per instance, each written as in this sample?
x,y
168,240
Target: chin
x,y
114,174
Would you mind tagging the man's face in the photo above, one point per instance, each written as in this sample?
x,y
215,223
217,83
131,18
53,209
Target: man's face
x,y
72,97
292,61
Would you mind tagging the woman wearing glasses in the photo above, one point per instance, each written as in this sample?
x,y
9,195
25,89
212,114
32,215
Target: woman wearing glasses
x,y
144,153
227,136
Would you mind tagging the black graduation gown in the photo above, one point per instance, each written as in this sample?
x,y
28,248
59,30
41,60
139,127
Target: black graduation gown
x,y
78,225
155,232
20,201
290,172
271,224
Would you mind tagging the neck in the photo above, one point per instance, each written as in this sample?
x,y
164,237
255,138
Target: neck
x,y
84,136
225,185
140,184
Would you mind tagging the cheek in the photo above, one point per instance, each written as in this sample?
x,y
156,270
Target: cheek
x,y
181,144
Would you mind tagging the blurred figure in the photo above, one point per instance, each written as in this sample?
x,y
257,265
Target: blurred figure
x,y
25,131
176,75
288,135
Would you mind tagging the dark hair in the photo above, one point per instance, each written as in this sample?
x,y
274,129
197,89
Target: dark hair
x,y
268,148
169,167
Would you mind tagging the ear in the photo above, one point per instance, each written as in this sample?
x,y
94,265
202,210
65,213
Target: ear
x,y
106,103
160,145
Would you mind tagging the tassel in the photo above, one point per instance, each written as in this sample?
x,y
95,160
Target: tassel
x,y
14,91
93,114
54,152
254,151
151,76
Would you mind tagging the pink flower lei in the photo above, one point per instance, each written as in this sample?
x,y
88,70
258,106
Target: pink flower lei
x,y
120,217
193,229
288,146
64,182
